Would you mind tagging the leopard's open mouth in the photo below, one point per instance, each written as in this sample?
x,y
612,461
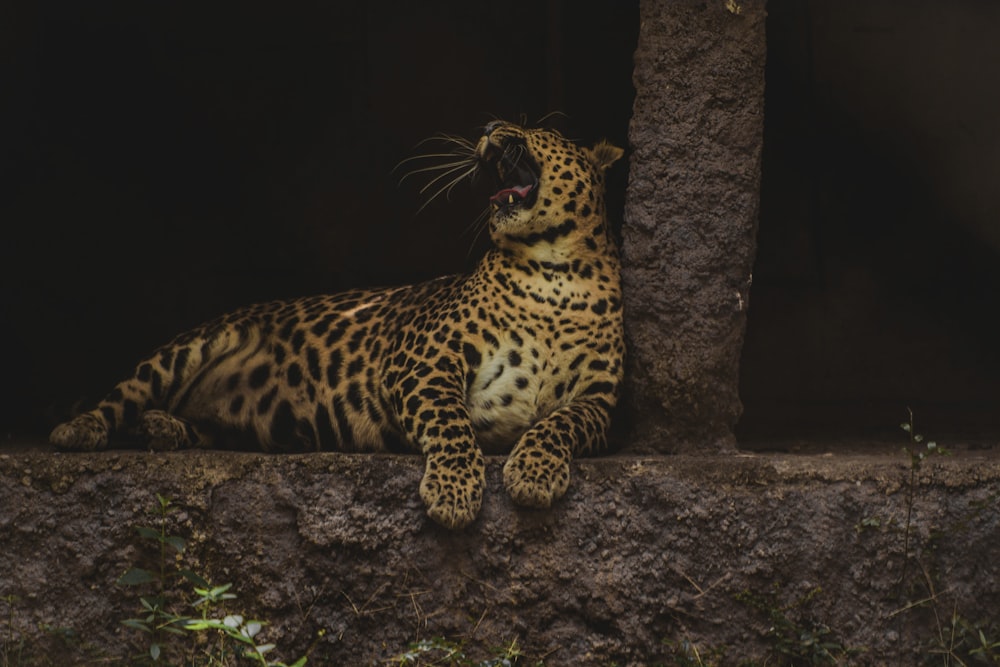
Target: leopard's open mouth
x,y
517,176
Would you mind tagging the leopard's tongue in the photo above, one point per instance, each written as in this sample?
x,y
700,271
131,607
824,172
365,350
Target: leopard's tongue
x,y
508,195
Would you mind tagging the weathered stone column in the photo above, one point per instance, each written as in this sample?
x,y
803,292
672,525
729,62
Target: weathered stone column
x,y
691,218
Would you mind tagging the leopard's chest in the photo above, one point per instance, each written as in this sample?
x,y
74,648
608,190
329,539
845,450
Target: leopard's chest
x,y
520,380
535,335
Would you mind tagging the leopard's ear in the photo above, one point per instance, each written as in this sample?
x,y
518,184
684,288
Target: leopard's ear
x,y
604,154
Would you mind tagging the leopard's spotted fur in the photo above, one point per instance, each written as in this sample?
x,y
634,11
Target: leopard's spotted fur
x,y
523,355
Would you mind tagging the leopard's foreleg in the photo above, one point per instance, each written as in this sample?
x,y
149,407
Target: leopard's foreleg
x,y
537,471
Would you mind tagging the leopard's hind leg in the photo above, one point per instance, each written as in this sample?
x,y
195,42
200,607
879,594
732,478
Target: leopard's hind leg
x,y
142,403
85,432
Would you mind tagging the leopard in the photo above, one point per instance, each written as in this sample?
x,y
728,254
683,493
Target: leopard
x,y
523,356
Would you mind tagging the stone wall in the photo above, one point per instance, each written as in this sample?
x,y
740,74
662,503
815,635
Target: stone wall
x,y
691,218
641,550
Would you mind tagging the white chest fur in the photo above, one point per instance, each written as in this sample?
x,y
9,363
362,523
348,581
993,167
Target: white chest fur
x,y
513,388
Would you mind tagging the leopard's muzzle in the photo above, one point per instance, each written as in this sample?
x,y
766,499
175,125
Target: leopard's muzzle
x,y
516,172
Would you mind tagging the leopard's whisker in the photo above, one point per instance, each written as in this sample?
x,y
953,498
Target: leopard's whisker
x,y
464,152
448,186
435,167
424,156
480,223
549,115
460,143
471,174
460,158
455,139
452,168
464,165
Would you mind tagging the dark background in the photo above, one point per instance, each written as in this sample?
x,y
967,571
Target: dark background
x,y
877,279
169,162
162,163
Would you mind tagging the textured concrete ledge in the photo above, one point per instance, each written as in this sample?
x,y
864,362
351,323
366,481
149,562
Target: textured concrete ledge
x,y
641,550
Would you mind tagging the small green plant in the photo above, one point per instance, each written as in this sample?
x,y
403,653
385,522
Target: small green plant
x,y
225,637
917,457
158,621
795,638
440,651
868,523
960,642
955,641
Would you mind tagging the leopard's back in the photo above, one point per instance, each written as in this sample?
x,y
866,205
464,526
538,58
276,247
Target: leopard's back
x,y
296,375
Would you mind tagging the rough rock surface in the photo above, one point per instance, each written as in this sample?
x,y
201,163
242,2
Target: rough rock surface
x,y
691,218
641,550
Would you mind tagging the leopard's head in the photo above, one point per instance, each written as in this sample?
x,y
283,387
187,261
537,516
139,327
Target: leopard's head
x,y
545,186
544,182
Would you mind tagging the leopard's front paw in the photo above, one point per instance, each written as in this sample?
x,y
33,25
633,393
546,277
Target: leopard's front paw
x,y
535,477
86,433
453,490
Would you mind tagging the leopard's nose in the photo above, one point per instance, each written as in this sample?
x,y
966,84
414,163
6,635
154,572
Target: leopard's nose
x,y
490,126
